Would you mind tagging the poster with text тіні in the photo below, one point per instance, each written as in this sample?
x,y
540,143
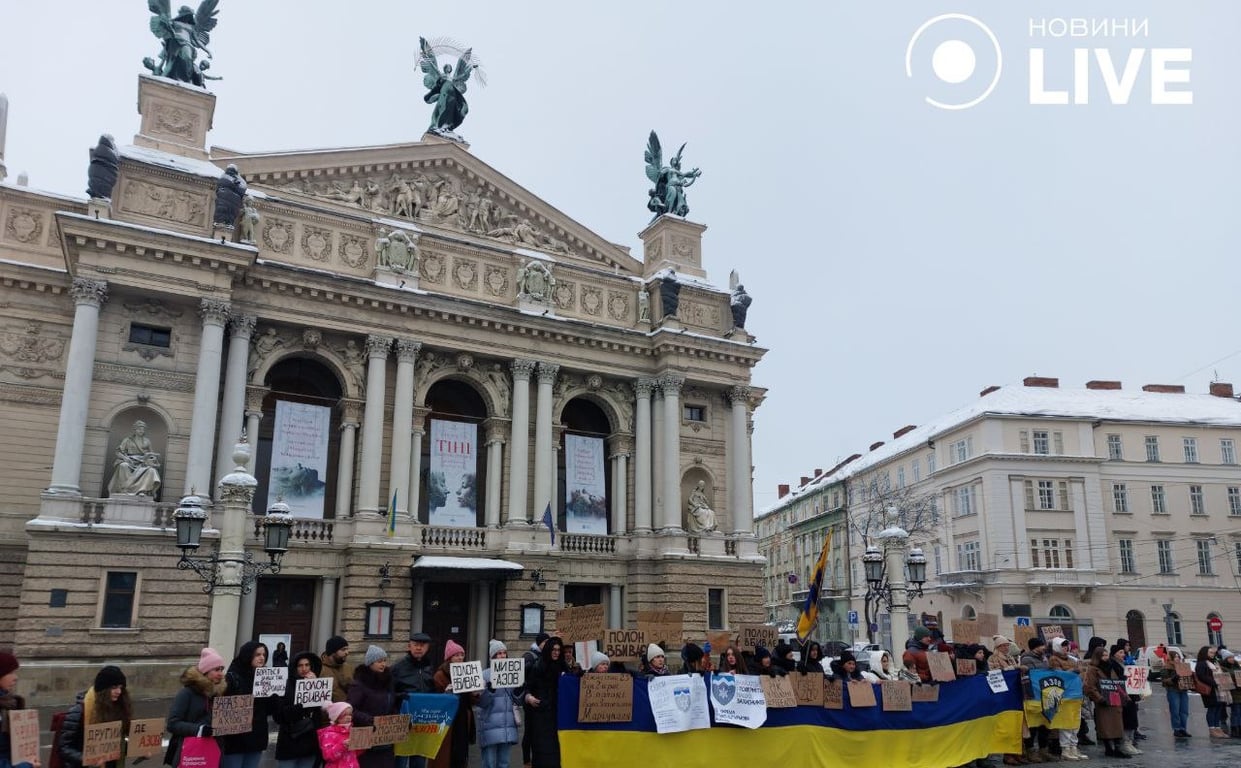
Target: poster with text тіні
x,y
452,479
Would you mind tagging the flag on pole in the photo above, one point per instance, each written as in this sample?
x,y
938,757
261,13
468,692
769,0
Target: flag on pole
x,y
392,516
810,609
551,524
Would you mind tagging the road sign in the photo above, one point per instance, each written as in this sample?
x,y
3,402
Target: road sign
x,y
853,618
1215,624
874,627
1022,621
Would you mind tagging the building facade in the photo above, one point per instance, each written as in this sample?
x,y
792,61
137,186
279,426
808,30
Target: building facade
x,y
427,362
1102,510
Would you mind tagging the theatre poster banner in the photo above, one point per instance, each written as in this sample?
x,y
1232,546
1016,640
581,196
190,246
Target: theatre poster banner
x,y
452,482
299,457
586,503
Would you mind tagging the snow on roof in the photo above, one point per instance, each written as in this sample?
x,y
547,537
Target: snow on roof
x,y
43,192
685,279
466,563
1044,402
158,230
169,160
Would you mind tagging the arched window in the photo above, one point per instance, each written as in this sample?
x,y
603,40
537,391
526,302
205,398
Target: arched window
x,y
453,488
306,476
1135,629
1060,612
1214,638
585,498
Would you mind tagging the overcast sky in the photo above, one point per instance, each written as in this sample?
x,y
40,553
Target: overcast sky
x,y
901,257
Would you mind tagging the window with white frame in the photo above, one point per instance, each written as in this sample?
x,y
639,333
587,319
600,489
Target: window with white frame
x,y
1152,448
120,599
969,556
917,470
939,563
1234,500
1197,502
1042,442
1120,498
1051,553
965,501
930,463
1047,494
1191,450
1163,548
1127,562
900,477
1227,451
961,450
1178,638
1115,448
1159,501
1204,557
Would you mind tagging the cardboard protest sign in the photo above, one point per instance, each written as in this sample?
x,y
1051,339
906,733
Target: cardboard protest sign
x,y
925,693
721,640
361,737
233,714
778,691
390,729
102,743
1051,631
1136,680
897,696
833,694
808,688
1022,635
315,692
1225,681
678,702
606,699
753,635
508,673
23,735
1184,670
580,623
988,625
861,694
1236,676
270,681
995,679
624,644
965,631
966,667
941,666
662,626
467,676
146,738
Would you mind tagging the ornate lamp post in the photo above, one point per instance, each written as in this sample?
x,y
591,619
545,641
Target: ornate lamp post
x,y
888,578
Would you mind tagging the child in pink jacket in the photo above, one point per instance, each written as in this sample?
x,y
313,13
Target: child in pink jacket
x,y
334,739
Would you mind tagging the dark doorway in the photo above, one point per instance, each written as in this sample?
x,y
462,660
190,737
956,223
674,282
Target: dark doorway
x,y
285,606
446,614
1135,628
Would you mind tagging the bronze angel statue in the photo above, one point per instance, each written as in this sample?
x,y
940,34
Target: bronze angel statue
x,y
183,36
670,181
446,88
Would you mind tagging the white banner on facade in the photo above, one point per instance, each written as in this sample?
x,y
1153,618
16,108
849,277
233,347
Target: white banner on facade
x,y
299,457
586,502
452,481
679,703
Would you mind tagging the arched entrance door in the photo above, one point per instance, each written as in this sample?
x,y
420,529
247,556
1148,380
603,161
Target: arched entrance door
x,y
1135,628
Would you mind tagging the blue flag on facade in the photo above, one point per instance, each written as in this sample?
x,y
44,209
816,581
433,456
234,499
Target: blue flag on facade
x,y
551,524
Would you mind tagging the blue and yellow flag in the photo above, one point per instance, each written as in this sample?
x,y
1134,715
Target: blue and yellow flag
x,y
392,515
810,610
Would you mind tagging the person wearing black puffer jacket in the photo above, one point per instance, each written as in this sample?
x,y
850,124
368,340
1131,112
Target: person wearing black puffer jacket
x,y
245,750
297,742
190,713
106,701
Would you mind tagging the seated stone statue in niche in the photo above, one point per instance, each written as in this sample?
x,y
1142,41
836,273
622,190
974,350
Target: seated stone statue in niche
x,y
136,470
701,516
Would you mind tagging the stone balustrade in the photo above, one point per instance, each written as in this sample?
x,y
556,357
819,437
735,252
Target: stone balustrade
x,y
589,544
454,538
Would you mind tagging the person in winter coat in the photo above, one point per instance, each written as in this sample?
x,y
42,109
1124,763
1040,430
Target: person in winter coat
x,y
782,657
332,662
599,662
811,658
915,651
542,694
733,663
413,674
1230,663
9,701
1061,661
656,661
106,701
190,713
1176,688
1002,659
371,694
1038,743
845,668
334,739
497,725
455,750
765,665
1205,671
1108,704
245,750
297,745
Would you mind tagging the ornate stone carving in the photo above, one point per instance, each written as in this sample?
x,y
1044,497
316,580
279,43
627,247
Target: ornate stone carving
x,y
316,242
213,311
355,360
24,225
535,282
739,394
243,325
353,250
642,387
407,350
262,348
522,368
654,250
622,398
153,307
564,294
644,305
255,397
671,384
592,300
465,274
683,247
144,377
465,361
278,236
496,280
427,364
311,339
30,345
92,292
593,382
20,393
547,373
496,430
618,306
377,347
698,313
433,268
351,412
146,199
397,250
175,121
499,379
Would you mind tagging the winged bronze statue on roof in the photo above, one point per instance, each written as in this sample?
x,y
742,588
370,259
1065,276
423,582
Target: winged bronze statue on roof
x,y
183,36
670,181
446,89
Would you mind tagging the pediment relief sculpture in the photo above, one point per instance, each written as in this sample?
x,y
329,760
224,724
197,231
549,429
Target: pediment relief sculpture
x,y
535,282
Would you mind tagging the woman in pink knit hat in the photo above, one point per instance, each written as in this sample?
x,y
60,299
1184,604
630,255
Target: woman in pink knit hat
x,y
455,751
190,714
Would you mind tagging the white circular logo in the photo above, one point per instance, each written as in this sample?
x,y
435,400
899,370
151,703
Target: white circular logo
x,y
954,61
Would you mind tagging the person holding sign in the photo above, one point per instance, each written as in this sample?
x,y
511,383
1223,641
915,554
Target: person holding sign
x,y
106,701
333,741
244,750
497,725
190,714
542,695
1204,673
1103,682
9,701
296,743
1061,661
371,694
845,667
455,751
1177,688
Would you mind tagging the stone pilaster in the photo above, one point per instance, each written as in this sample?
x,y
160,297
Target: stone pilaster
x,y
232,411
377,348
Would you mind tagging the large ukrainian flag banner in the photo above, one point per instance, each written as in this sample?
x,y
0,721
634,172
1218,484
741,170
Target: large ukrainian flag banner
x,y
968,722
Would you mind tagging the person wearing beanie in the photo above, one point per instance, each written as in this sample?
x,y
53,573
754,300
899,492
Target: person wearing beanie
x,y
190,713
656,661
599,662
495,716
371,696
334,739
374,654
453,652
915,653
494,647
845,667
333,662
9,700
694,658
245,750
462,731
765,665
106,701
297,745
542,695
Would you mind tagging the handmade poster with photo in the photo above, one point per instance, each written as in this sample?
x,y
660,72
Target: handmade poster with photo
x,y
452,479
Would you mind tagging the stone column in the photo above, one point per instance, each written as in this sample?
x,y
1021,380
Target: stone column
x,y
518,459
620,447
236,496
657,457
482,620
543,455
739,452
642,457
495,468
402,414
616,610
372,422
415,460
233,410
254,417
325,613
206,395
88,297
344,461
245,613
671,386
